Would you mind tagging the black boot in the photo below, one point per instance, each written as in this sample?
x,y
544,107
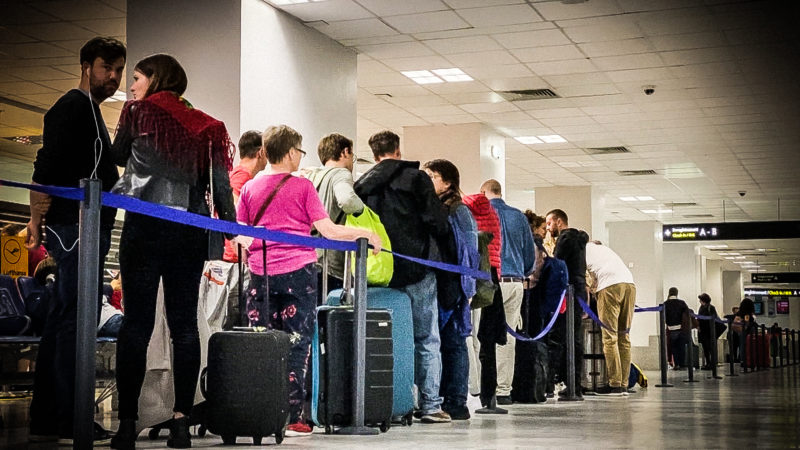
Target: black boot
x,y
125,439
179,433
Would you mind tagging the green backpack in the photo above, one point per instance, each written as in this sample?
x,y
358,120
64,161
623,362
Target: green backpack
x,y
380,267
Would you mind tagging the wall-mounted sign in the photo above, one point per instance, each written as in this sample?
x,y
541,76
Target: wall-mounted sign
x,y
772,292
787,229
14,261
782,306
778,277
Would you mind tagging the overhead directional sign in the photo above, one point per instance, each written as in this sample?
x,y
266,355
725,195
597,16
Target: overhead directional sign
x,y
785,229
778,277
772,292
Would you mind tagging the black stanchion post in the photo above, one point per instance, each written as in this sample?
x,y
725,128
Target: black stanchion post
x,y
794,349
88,295
359,344
731,350
714,350
662,347
324,275
777,349
754,364
781,341
690,357
571,381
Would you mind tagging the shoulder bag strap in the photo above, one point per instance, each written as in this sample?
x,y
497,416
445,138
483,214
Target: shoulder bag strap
x,y
269,199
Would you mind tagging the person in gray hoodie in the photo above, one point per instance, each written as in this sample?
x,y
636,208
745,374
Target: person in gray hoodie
x,y
334,183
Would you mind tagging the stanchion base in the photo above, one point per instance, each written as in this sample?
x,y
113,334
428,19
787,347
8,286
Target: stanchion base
x,y
665,385
358,431
714,377
690,381
491,411
574,398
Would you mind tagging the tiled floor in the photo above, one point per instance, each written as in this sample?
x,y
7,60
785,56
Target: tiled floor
x,y
759,409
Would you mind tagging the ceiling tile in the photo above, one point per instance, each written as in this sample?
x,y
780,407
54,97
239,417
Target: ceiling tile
x,y
554,53
79,10
354,29
540,38
499,15
22,13
640,75
613,48
33,50
602,33
57,31
24,88
563,67
638,61
578,78
329,11
432,21
418,63
104,27
393,8
500,57
457,4
498,71
396,50
688,41
561,11
463,45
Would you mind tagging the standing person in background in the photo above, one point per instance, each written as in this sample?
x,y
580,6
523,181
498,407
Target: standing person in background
x,y
171,153
404,199
518,260
455,324
282,202
708,329
334,183
674,310
73,133
616,300
730,318
571,248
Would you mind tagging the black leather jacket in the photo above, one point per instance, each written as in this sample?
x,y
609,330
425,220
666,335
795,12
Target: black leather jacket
x,y
149,177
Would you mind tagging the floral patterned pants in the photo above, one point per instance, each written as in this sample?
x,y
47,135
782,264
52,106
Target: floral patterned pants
x,y
291,307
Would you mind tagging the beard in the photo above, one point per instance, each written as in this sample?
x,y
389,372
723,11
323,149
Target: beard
x,y
554,233
101,90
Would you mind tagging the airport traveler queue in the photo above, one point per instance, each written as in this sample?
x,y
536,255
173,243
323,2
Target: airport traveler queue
x,y
178,156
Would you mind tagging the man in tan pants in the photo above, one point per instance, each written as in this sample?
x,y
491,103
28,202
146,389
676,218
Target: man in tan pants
x,y
616,297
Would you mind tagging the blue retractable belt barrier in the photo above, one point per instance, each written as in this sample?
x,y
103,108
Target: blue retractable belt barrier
x,y
135,205
546,329
716,319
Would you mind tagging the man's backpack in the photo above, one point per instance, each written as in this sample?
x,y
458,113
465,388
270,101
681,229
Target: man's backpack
x,y
484,289
555,279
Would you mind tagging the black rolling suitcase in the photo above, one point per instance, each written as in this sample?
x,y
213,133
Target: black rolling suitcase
x,y
332,400
246,385
530,361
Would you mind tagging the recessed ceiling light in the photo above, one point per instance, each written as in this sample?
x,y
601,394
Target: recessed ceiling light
x,y
417,73
457,78
428,80
552,139
446,72
739,257
628,199
452,75
729,257
644,198
716,246
528,140
734,254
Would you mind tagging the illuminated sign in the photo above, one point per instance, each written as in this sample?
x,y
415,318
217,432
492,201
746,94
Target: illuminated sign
x,y
773,292
779,277
786,229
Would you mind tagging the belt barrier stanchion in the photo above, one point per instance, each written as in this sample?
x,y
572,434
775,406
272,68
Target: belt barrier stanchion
x,y
765,338
571,394
86,331
756,351
359,344
794,349
780,345
714,349
324,275
777,349
662,347
242,320
731,350
690,357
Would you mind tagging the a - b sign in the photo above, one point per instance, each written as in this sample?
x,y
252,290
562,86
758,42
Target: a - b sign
x,y
14,260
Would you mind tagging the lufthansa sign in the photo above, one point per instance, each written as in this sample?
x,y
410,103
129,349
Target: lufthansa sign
x,y
786,229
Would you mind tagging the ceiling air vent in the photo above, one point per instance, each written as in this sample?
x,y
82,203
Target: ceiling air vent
x,y
684,205
528,94
605,150
633,173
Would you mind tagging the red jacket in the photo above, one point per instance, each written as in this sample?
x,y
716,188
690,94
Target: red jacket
x,y
487,220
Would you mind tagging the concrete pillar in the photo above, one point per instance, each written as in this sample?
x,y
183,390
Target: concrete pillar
x,y
251,65
640,247
477,151
712,283
584,206
731,291
683,266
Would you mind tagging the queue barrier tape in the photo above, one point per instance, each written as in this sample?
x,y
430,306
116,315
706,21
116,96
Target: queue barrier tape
x,y
135,205
543,333
716,319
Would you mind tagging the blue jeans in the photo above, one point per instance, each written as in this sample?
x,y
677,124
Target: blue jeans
x,y
427,356
54,381
455,366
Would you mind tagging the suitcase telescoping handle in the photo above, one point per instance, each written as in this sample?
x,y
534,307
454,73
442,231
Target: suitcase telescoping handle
x,y
346,298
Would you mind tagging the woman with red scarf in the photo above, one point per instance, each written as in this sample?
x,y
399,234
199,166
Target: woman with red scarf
x,y
173,155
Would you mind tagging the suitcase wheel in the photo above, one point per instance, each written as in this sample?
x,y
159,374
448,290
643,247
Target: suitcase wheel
x,y
328,429
228,439
201,431
385,426
408,419
153,433
257,440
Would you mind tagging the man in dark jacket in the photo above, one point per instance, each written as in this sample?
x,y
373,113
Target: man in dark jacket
x,y
404,199
571,248
75,146
674,310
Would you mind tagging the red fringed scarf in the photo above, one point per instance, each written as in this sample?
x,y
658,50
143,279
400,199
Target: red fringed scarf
x,y
182,134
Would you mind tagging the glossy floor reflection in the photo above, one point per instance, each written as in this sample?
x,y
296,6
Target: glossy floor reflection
x,y
752,410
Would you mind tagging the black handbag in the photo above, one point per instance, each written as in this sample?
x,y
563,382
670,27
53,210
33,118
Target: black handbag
x,y
216,239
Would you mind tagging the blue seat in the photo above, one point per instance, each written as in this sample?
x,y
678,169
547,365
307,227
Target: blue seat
x,y
13,320
34,296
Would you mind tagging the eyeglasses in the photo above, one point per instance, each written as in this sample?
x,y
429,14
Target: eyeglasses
x,y
302,152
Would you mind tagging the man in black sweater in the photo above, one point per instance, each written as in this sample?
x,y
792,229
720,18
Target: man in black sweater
x,y
571,248
75,146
